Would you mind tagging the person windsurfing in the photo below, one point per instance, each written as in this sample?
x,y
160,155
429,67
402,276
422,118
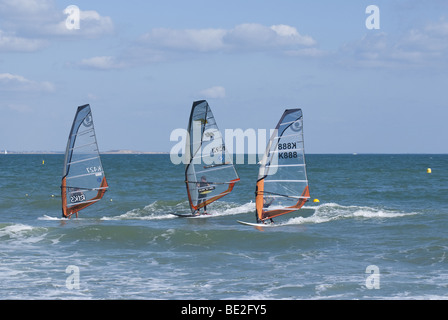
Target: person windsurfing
x,y
202,189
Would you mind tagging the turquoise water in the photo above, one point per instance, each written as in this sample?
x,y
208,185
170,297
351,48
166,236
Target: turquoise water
x,y
383,211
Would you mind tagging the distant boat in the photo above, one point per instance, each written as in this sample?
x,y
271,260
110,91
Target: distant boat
x,y
209,171
282,185
83,178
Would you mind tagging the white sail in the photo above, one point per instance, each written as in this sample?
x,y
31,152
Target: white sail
x,y
282,184
209,170
83,178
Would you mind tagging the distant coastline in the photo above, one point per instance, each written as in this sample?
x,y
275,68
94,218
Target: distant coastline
x,y
127,151
121,151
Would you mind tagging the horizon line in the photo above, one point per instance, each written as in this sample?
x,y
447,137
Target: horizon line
x,y
128,151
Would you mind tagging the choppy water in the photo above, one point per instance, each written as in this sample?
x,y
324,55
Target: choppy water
x,y
383,211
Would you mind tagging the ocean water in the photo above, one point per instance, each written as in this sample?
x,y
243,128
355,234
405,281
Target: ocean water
x,y
378,232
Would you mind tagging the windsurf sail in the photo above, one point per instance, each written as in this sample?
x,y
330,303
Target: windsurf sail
x,y
282,184
209,170
83,178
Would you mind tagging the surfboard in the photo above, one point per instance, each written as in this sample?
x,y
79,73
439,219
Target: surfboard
x,y
190,215
260,225
182,215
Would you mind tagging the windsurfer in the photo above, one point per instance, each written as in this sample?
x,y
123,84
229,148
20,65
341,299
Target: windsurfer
x,y
202,189
76,196
266,203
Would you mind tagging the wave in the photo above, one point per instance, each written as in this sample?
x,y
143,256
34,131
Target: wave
x,y
332,211
160,210
22,233
322,213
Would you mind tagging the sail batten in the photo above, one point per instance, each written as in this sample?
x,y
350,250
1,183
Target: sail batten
x,y
211,168
86,145
209,171
84,175
82,166
83,160
282,184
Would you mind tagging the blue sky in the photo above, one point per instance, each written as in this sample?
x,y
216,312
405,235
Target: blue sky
x,y
141,64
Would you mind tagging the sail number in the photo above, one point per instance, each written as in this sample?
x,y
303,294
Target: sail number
x,y
77,198
94,169
287,154
287,145
218,149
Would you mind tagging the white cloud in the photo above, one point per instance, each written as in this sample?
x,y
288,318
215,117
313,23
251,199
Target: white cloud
x,y
425,47
12,43
163,44
257,36
16,8
438,29
11,82
101,63
20,108
91,24
30,25
248,36
189,39
214,92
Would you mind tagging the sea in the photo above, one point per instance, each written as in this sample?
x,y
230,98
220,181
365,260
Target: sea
x,y
375,228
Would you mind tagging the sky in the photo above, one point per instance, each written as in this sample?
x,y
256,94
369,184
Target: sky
x,y
367,81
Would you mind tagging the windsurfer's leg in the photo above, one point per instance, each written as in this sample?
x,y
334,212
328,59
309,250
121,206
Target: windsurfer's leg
x,y
198,209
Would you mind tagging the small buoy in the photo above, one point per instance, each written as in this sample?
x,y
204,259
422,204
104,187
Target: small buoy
x,y
52,195
110,200
26,194
316,200
428,170
43,161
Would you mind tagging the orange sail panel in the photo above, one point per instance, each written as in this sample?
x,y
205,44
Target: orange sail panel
x,y
209,171
282,184
83,179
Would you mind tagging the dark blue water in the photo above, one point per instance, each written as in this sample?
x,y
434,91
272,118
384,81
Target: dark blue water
x,y
376,212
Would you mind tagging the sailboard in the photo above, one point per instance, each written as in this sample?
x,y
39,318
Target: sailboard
x,y
209,170
191,215
83,179
282,184
258,224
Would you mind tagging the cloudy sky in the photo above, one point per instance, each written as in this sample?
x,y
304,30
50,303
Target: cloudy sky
x,y
141,64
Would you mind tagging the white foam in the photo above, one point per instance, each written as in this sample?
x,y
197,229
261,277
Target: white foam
x,y
332,211
22,232
160,211
229,209
15,230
